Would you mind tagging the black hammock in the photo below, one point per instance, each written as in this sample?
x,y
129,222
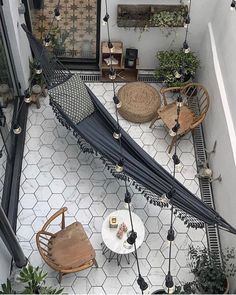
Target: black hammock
x,y
71,99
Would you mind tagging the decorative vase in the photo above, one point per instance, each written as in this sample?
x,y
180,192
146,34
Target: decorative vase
x,y
4,88
36,89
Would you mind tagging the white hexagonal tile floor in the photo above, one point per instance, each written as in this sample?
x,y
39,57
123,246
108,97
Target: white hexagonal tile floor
x,y
56,173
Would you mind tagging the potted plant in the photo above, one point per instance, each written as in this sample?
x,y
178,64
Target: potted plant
x,y
211,277
33,282
58,39
176,67
35,79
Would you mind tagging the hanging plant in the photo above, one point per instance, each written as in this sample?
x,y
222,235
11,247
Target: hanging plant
x,y
169,20
142,17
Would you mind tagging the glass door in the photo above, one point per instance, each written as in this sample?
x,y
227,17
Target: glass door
x,y
8,91
75,37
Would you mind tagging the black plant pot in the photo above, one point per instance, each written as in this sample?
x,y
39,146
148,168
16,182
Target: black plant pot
x,y
187,77
38,4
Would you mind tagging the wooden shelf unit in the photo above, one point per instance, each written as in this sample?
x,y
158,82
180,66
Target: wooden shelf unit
x,y
122,73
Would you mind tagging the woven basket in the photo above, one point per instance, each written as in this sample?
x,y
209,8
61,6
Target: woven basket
x,y
140,102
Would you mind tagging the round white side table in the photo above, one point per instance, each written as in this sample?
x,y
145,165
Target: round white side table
x,y
115,246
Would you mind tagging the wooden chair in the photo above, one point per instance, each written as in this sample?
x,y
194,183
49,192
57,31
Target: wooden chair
x,y
192,113
68,250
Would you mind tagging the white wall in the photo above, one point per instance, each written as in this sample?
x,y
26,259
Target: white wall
x,y
5,263
154,40
217,73
19,44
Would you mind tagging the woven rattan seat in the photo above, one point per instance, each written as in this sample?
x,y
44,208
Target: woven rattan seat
x,y
140,102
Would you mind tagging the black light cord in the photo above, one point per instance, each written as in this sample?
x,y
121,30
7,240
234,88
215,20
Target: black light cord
x,y
113,83
186,33
121,149
52,22
171,193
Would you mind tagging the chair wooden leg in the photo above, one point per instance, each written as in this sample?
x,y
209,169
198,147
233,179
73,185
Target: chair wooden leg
x,y
172,144
95,262
154,120
60,277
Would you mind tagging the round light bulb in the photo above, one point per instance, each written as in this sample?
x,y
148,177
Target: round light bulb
x,y
177,75
27,99
17,129
116,135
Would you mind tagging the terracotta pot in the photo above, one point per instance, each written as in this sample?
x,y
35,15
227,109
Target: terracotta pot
x,y
4,88
36,89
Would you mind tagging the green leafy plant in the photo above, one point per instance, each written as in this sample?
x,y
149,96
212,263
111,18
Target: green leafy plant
x,y
33,281
169,20
172,61
58,39
7,288
210,275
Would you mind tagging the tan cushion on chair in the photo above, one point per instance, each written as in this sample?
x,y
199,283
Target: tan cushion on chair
x,y
168,115
71,247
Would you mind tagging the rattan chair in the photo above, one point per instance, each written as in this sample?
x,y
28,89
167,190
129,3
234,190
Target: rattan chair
x,y
192,113
68,250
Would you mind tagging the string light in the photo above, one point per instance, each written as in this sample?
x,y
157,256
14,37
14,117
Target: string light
x,y
178,74
171,235
112,74
47,41
179,101
57,13
27,97
117,102
127,199
120,166
186,48
233,5
142,284
38,69
174,130
187,21
116,134
17,129
105,19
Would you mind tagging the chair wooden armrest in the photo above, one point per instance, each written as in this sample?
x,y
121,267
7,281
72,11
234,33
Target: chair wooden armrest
x,y
54,216
198,122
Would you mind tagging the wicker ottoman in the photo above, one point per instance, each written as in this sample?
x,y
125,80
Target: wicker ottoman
x,y
140,102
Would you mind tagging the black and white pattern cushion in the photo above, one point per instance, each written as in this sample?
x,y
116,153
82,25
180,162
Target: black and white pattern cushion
x,y
73,98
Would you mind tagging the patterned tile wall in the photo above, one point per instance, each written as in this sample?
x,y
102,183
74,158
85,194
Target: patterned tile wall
x,y
75,34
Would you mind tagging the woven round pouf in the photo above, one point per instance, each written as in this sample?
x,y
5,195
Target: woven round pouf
x,y
140,102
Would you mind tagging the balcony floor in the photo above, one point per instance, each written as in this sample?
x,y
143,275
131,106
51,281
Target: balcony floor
x,y
55,173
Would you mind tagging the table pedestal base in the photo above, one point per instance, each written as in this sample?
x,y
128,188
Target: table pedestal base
x,y
113,255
